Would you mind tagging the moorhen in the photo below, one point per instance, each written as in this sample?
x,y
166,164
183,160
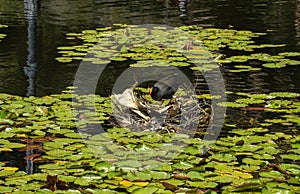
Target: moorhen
x,y
164,88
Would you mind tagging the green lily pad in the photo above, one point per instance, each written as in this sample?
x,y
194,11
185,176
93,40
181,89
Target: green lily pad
x,y
232,104
251,161
149,189
274,65
6,173
202,184
250,101
128,163
182,165
271,174
159,175
103,166
285,94
6,189
223,157
51,166
195,175
59,153
14,145
290,156
135,175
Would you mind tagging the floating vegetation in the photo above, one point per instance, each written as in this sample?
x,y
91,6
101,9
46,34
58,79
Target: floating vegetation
x,y
217,39
146,46
243,68
119,160
285,104
76,146
2,35
186,46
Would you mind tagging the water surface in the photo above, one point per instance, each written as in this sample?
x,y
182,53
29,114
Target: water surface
x,y
52,19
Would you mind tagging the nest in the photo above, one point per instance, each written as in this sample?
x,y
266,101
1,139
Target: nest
x,y
135,110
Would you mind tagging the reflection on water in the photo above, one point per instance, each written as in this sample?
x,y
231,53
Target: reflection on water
x,y
297,22
30,70
32,40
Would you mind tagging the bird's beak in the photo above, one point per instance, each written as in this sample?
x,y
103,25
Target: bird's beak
x,y
150,92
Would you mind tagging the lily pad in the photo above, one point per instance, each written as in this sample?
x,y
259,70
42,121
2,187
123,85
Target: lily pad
x,y
232,104
149,189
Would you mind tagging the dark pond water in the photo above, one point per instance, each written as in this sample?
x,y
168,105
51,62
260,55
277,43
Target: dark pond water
x,y
28,70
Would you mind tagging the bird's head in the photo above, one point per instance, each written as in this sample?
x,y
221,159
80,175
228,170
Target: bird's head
x,y
153,92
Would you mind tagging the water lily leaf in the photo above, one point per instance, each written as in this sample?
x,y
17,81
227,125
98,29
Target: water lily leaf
x,y
248,185
28,187
191,150
223,157
51,166
159,175
282,187
152,138
6,121
14,145
202,184
182,165
292,62
247,148
221,167
59,153
149,189
73,135
103,166
64,59
74,147
250,168
285,94
83,181
128,163
6,135
258,130
54,145
6,189
59,131
271,174
195,176
251,161
144,148
290,156
263,156
135,175
274,65
243,175
295,169
289,54
14,169
180,64
127,183
5,150
6,173
232,104
250,101
175,182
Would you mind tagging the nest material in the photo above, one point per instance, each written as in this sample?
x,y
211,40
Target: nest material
x,y
183,113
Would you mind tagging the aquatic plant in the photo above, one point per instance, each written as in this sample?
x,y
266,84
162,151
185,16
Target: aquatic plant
x,y
73,154
2,35
256,159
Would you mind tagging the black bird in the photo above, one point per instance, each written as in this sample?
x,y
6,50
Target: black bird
x,y
164,88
